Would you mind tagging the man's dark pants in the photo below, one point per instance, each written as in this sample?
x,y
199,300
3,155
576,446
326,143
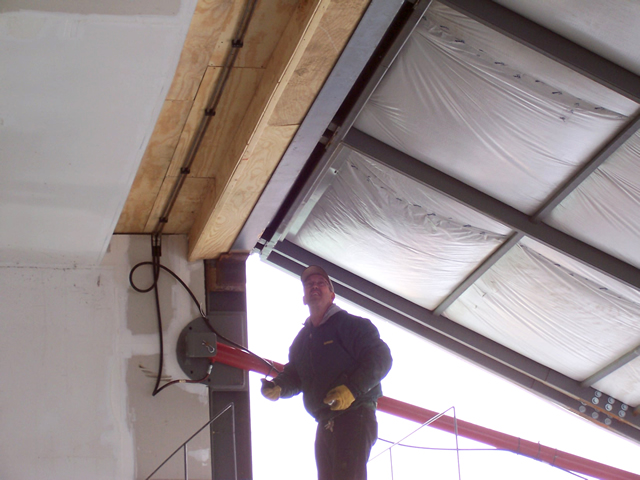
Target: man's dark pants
x,y
343,445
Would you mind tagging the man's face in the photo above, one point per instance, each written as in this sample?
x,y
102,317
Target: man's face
x,y
317,292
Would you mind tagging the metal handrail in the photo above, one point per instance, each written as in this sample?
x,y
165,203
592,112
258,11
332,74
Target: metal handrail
x,y
184,445
428,422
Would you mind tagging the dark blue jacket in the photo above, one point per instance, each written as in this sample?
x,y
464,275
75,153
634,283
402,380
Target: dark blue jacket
x,y
344,350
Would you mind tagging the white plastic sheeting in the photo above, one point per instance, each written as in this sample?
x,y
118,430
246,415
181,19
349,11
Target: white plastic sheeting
x,y
604,210
459,96
557,312
516,125
392,231
611,36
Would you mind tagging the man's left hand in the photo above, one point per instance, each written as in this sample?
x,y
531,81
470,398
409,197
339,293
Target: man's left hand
x,y
339,398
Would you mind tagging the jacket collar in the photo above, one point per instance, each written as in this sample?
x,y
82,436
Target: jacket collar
x,y
332,310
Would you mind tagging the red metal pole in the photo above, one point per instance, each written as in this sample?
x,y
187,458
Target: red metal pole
x,y
503,441
239,359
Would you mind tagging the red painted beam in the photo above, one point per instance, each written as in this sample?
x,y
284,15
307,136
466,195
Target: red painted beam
x,y
504,441
237,358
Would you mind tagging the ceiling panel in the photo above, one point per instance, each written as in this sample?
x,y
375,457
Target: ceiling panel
x,y
550,313
396,233
608,28
604,210
455,99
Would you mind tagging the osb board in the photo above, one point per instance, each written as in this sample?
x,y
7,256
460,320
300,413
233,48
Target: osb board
x,y
332,35
223,127
153,167
249,181
212,27
214,24
185,209
268,21
282,65
196,116
206,232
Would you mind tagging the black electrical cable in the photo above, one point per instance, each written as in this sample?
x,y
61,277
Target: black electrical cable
x,y
479,450
201,380
156,252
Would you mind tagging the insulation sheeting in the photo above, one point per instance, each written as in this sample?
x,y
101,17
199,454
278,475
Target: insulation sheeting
x,y
553,310
604,210
392,231
459,96
611,36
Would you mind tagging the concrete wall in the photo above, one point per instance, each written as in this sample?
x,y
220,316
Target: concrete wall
x,y
78,357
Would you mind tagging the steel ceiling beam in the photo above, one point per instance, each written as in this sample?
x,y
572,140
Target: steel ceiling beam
x,y
587,169
612,367
484,267
299,205
552,202
551,45
495,209
482,351
362,44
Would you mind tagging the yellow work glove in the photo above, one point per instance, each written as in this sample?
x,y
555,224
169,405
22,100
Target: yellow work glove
x,y
339,398
270,390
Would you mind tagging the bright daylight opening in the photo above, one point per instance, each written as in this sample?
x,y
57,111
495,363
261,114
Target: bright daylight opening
x,y
425,375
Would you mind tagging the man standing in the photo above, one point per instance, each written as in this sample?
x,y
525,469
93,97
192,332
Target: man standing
x,y
337,361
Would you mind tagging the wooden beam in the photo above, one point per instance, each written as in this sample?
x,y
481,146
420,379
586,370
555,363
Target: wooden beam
x,y
223,126
214,25
212,233
153,167
208,33
211,31
332,35
194,190
289,50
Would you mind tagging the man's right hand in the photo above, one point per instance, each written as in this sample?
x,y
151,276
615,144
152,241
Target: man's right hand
x,y
270,390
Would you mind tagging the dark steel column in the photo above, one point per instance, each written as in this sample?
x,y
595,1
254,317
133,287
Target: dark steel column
x,y
225,280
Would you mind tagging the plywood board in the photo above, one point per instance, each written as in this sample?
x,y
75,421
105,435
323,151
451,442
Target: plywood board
x,y
211,22
153,167
269,20
196,116
223,127
235,205
331,37
186,207
281,67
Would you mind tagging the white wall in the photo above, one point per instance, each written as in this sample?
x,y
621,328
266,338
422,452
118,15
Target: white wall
x,y
76,349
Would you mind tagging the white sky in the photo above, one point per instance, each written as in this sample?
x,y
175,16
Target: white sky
x,y
425,375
